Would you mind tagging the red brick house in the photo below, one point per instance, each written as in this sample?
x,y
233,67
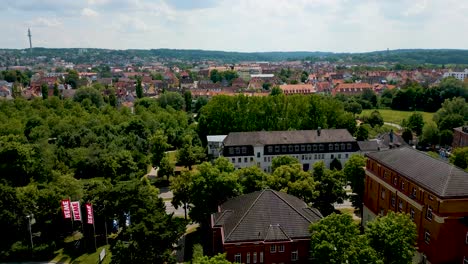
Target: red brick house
x,y
460,137
264,227
433,192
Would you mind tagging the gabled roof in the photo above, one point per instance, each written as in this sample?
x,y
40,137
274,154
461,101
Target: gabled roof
x,y
437,176
288,137
265,215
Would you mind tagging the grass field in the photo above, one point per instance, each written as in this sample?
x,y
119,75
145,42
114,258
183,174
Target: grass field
x,y
92,258
394,116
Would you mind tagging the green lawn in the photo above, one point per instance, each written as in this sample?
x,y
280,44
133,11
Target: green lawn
x,y
86,258
394,116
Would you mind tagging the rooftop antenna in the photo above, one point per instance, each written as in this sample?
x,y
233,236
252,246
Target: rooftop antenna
x,y
30,42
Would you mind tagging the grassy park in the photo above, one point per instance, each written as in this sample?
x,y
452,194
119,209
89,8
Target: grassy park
x,y
395,116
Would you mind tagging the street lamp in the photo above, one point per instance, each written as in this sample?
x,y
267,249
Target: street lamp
x,y
31,221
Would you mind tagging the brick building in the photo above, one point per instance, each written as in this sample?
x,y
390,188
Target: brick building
x,y
434,193
460,137
264,227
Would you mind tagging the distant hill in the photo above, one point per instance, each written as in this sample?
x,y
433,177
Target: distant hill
x,y
403,56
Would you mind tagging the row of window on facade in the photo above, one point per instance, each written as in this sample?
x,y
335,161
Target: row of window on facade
x,y
413,194
273,249
295,148
400,205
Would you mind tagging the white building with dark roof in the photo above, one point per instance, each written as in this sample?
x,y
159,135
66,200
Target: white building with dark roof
x,y
245,149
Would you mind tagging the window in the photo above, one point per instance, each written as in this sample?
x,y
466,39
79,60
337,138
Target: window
x,y
348,146
337,147
270,149
251,159
308,148
413,193
231,151
382,194
281,248
258,154
385,174
277,149
393,200
239,160
315,147
237,258
273,248
265,159
431,197
248,258
332,156
427,237
429,213
339,156
254,257
245,160
400,205
233,160
290,148
323,156
244,150
302,157
261,257
237,150
412,213
395,181
303,147
296,148
315,156
283,148
321,147
294,255
346,155
403,185
330,146
343,146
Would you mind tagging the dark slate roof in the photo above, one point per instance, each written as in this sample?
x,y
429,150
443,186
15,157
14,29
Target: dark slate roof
x,y
368,145
441,178
287,137
385,140
265,215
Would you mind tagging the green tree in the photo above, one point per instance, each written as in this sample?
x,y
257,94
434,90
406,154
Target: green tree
x,y
44,91
251,179
353,107
330,186
416,123
211,186
335,164
393,237
446,137
454,113
407,135
362,132
72,78
201,101
335,239
158,145
139,88
430,134
56,90
189,154
172,99
188,101
166,169
181,187
93,95
283,160
151,233
355,175
276,91
459,157
217,259
375,119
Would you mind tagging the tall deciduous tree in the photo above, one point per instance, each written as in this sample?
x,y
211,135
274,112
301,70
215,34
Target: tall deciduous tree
x,y
362,132
416,123
330,187
181,187
252,179
335,239
188,101
355,175
189,154
139,88
459,157
158,144
393,237
56,90
44,91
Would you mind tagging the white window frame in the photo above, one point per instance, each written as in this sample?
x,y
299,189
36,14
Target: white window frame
x,y
294,255
429,213
281,248
427,237
254,257
247,260
272,248
261,257
238,255
382,194
412,213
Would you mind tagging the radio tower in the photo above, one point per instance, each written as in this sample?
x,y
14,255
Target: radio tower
x,y
30,42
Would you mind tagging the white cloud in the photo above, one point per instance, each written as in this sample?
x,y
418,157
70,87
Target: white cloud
x,y
88,12
44,22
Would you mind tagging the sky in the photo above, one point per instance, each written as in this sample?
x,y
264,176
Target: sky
x,y
236,25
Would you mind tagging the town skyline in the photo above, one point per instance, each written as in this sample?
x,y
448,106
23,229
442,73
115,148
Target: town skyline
x,y
246,26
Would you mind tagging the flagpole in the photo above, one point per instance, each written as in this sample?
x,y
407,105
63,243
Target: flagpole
x,y
69,202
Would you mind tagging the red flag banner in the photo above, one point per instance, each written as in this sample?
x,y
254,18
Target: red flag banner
x,y
76,211
66,209
89,213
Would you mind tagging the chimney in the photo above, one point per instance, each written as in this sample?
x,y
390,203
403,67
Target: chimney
x,y
318,131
